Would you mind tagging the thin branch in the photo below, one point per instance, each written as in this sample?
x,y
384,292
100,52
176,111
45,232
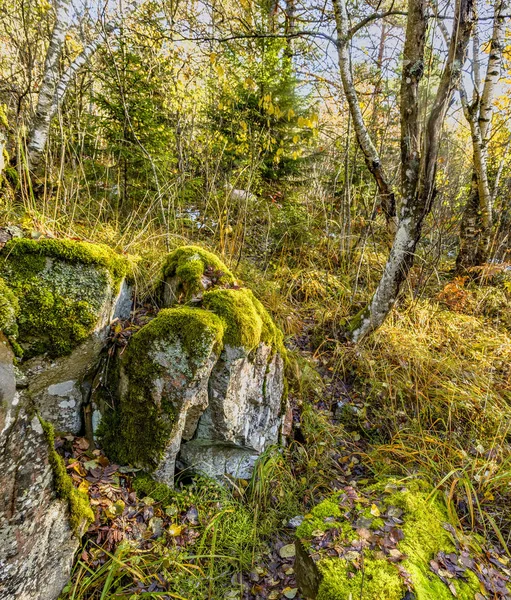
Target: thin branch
x,y
374,17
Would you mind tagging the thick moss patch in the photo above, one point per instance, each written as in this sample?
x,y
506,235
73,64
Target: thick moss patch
x,y
9,308
386,561
244,325
80,511
62,287
190,263
173,345
247,321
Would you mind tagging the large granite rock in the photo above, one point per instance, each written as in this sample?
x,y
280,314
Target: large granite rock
x,y
37,541
246,388
162,384
245,397
68,293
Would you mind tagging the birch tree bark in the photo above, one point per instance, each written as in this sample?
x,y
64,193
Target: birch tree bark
x,y
41,121
477,221
54,84
371,155
418,160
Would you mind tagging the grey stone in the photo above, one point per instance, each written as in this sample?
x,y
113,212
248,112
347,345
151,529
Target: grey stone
x,y
244,414
219,460
37,545
164,406
58,387
188,401
8,397
245,396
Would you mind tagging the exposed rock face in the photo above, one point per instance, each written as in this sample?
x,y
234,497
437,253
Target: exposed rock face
x,y
37,544
68,292
162,388
244,414
245,395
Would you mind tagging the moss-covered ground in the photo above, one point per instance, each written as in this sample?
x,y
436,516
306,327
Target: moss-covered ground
x,y
387,538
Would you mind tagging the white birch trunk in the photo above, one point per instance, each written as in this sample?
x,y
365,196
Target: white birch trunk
x,y
40,126
475,240
371,155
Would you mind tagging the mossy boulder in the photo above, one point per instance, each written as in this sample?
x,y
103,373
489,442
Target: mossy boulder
x,y
41,514
163,389
340,555
246,389
68,293
65,289
190,270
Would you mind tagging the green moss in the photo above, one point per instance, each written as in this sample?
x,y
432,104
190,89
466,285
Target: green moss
x,y
236,308
70,251
326,515
327,508
80,511
9,308
377,580
62,286
189,263
271,335
145,485
173,345
424,537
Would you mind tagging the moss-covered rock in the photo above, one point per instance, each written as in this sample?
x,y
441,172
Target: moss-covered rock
x,y
379,563
80,511
63,288
163,377
247,321
38,502
190,270
8,310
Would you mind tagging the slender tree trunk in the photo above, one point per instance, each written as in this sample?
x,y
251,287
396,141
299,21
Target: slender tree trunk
x,y
54,87
41,122
371,155
418,171
476,226
470,230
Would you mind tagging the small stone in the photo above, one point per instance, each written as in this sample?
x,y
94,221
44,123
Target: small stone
x,y
295,522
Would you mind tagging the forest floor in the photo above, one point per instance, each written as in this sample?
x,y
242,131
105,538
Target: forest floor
x,y
355,421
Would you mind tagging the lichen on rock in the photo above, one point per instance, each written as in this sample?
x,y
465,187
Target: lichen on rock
x,y
62,287
384,562
162,388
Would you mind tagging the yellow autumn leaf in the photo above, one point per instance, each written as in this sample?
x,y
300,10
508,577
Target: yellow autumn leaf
x,y
375,511
175,530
